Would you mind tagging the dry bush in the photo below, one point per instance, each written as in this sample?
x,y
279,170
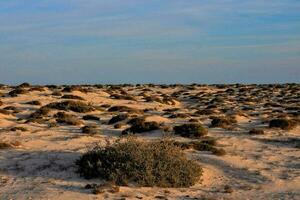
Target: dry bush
x,y
118,118
190,130
91,130
91,117
157,163
4,112
285,124
37,103
62,117
256,131
17,91
222,122
139,125
71,96
75,106
19,128
124,109
5,145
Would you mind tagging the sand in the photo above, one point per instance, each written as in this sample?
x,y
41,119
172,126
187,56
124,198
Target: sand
x,y
42,166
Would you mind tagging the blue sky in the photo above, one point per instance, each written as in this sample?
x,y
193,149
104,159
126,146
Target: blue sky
x,y
171,41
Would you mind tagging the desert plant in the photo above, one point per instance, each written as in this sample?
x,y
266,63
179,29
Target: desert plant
x,y
91,117
118,118
70,96
35,102
285,124
91,130
62,117
140,126
17,91
124,109
156,163
19,128
190,130
75,106
222,122
256,131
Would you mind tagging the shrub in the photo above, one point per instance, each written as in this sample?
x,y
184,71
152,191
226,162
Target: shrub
x,y
63,117
140,126
57,93
75,106
4,112
256,131
118,118
23,129
222,122
190,130
91,130
1,103
40,113
70,96
34,103
124,109
5,145
17,91
156,163
284,124
91,117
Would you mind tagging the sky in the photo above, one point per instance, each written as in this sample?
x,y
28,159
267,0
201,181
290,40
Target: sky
x,y
149,41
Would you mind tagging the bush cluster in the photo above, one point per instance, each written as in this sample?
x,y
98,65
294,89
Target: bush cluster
x,y
156,163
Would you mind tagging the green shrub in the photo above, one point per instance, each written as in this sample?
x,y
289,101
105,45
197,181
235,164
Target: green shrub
x,y
156,163
190,130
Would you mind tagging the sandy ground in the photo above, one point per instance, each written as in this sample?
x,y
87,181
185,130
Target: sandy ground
x,y
42,166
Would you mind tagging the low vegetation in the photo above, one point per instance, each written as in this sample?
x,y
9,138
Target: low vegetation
x,y
190,130
157,163
285,124
75,106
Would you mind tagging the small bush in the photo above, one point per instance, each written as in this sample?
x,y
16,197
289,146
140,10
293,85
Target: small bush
x,y
91,130
4,112
124,109
256,131
118,118
140,126
284,124
23,129
156,163
91,117
190,130
5,145
63,117
70,96
222,122
75,106
17,91
37,103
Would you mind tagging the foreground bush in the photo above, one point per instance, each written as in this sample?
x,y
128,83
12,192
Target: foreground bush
x,y
190,130
156,163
